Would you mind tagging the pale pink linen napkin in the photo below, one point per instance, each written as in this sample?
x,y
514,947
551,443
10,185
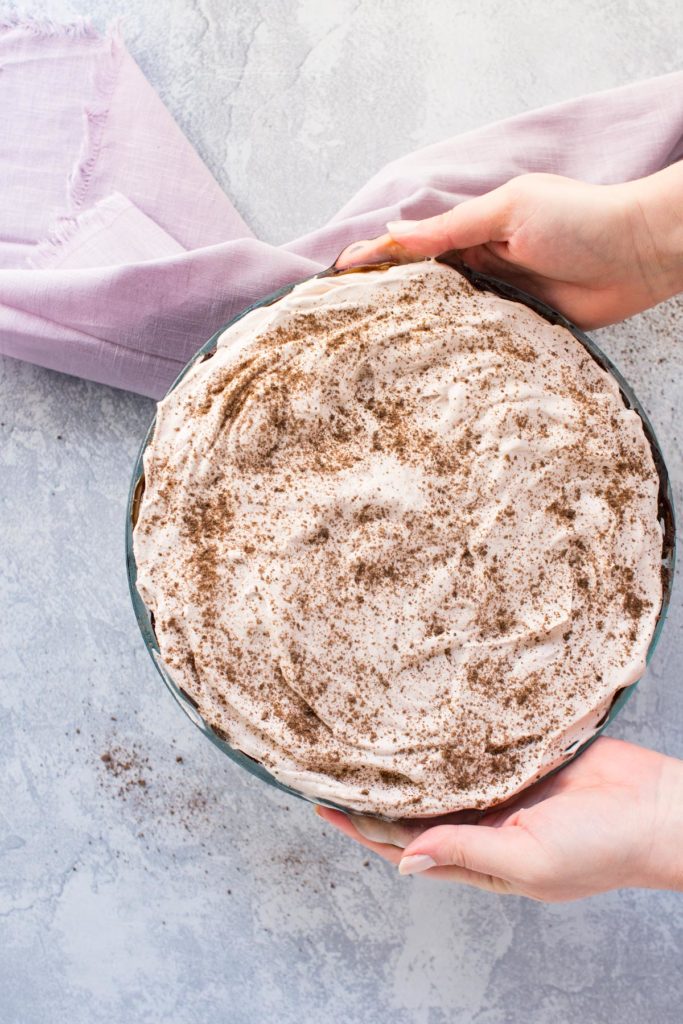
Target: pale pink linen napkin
x,y
119,253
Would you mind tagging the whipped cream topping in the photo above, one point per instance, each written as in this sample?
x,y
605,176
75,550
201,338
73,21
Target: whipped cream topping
x,y
399,537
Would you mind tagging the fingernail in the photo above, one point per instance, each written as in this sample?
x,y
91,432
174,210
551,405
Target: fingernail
x,y
352,254
401,228
415,863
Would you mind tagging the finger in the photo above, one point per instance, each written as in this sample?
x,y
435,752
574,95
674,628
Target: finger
x,y
472,222
390,853
405,830
394,833
499,852
489,883
343,823
491,259
372,250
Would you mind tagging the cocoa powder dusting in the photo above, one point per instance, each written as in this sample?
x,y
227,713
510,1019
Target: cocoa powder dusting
x,y
381,545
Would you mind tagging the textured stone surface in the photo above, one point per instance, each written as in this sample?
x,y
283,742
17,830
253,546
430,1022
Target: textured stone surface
x,y
202,895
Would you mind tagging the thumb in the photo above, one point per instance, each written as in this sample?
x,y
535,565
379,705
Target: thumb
x,y
500,852
472,222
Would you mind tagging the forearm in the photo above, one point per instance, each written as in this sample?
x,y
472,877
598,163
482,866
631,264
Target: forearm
x,y
655,216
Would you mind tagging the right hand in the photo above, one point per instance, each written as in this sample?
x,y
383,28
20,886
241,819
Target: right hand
x,y
597,253
611,818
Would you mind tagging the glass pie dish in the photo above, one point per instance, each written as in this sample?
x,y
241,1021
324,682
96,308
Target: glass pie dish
x,y
481,282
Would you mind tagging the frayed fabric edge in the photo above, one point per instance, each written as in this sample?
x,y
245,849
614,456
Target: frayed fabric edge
x,y
68,227
81,28
95,115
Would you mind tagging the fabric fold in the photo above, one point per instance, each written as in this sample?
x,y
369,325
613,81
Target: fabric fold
x,y
110,233
119,252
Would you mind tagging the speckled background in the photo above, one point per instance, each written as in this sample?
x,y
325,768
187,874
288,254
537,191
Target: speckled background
x,y
165,884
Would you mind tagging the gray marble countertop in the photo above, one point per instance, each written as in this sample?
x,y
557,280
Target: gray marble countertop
x,y
165,884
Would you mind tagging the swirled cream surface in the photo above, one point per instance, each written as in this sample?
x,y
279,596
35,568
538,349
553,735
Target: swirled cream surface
x,y
399,537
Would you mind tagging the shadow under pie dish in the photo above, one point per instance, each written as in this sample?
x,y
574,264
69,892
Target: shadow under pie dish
x,y
400,539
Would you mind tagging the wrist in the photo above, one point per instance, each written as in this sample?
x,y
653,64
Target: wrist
x,y
654,219
662,863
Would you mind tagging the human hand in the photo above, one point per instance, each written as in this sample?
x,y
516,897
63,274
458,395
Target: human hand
x,y
597,253
610,819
